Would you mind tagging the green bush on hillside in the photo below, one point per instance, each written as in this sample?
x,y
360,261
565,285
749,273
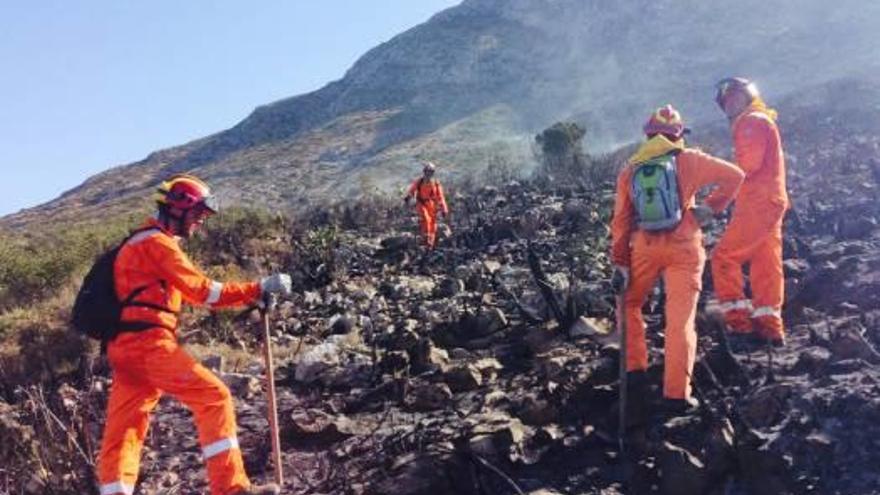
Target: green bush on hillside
x,y
34,268
560,153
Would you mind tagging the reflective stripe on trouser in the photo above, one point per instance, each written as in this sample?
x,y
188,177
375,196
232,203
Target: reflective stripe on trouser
x,y
766,311
116,487
428,223
737,315
681,265
218,447
743,304
755,237
145,364
768,322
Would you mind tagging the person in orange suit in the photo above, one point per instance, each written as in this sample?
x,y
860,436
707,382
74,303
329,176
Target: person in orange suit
x,y
675,252
153,277
429,197
754,235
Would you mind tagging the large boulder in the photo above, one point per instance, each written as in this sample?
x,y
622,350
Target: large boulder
x,y
425,356
589,327
429,473
463,378
683,473
242,385
449,287
423,395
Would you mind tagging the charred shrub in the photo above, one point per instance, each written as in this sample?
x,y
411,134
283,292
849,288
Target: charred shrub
x,y
235,235
314,260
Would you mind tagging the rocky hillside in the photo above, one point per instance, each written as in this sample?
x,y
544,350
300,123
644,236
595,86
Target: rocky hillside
x,y
476,81
459,373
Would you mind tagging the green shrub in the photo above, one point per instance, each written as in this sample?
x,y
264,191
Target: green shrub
x,y
34,268
560,151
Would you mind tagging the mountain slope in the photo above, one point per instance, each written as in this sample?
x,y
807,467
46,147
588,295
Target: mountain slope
x,y
485,76
402,373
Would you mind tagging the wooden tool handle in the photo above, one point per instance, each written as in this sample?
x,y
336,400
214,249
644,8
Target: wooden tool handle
x,y
272,409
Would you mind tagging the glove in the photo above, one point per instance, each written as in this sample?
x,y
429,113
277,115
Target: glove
x,y
278,283
703,214
620,279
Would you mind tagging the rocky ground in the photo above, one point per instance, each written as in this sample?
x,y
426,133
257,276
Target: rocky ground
x,y
491,367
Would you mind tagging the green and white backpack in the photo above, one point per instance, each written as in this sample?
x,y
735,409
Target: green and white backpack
x,y
655,194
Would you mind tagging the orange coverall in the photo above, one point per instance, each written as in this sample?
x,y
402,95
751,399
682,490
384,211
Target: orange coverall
x,y
755,233
150,362
429,196
677,254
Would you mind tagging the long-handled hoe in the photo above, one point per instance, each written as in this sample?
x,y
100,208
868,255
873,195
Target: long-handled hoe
x,y
272,409
621,325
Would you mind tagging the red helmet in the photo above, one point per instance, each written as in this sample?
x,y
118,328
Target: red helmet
x,y
665,120
731,85
184,192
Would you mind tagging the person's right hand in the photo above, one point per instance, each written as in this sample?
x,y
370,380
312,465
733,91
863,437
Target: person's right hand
x,y
620,279
279,283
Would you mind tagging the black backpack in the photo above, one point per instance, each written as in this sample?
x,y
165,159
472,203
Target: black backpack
x,y
97,311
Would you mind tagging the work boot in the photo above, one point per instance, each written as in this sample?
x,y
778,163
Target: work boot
x,y
637,406
741,342
768,332
267,489
775,341
681,407
738,321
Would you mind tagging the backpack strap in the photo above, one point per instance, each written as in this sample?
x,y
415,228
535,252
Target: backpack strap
x,y
432,195
129,300
419,197
140,326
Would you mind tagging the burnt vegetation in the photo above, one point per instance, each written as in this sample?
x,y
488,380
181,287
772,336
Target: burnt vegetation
x,y
488,366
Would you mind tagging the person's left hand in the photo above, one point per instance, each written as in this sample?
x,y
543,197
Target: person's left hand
x,y
279,283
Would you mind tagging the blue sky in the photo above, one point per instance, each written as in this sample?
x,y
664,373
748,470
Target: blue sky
x,y
87,85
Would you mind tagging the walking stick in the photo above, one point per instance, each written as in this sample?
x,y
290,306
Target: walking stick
x,y
272,409
621,326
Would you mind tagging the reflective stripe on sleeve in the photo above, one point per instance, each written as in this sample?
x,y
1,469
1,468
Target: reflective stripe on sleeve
x,y
218,447
116,487
214,294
